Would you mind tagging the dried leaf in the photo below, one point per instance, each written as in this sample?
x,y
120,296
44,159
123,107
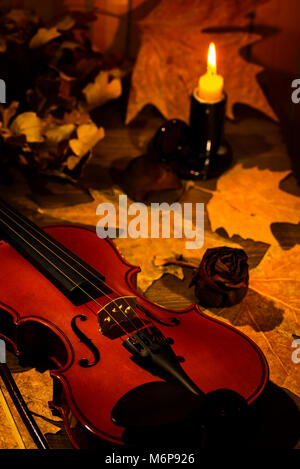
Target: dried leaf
x,y
88,135
140,251
28,124
36,389
72,162
18,26
174,44
43,36
70,45
269,313
77,117
247,201
57,133
56,73
102,89
21,16
8,112
65,23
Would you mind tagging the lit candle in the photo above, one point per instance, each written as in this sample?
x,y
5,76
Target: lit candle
x,y
210,87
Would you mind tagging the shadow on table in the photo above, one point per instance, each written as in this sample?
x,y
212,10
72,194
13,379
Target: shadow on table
x,y
280,419
272,422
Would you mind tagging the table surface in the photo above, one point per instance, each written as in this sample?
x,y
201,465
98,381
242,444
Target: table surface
x,y
247,136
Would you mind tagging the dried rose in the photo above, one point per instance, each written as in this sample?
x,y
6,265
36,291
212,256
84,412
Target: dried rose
x,y
222,277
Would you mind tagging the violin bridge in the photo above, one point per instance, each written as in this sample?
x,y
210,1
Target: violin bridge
x,y
117,314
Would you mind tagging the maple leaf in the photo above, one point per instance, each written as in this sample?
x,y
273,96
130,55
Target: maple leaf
x,y
247,201
141,251
174,43
269,314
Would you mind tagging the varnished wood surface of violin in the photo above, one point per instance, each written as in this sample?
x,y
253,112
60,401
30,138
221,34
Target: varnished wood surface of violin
x,y
85,337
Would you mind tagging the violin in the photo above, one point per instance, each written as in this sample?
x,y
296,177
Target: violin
x,y
120,363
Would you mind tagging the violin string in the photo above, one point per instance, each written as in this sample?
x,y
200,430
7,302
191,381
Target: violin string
x,y
69,265
102,293
84,267
88,281
66,276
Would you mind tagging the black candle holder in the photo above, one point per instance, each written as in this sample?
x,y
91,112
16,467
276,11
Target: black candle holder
x,y
211,154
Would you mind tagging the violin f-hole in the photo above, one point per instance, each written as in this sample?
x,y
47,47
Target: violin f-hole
x,y
84,362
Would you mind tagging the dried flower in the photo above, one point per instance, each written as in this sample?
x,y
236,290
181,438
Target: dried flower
x,y
222,277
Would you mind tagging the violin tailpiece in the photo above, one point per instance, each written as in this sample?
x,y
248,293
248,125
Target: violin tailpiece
x,y
152,351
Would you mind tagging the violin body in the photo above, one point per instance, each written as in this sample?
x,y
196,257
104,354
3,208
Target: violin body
x,y
91,372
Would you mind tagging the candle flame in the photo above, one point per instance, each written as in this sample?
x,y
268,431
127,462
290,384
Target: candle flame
x,y
211,59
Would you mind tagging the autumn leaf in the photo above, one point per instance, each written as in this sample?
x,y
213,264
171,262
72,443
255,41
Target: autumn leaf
x,y
57,133
28,124
71,162
55,141
140,251
87,137
17,26
174,42
102,89
36,389
269,314
20,16
65,23
65,77
277,277
8,112
76,117
247,201
43,36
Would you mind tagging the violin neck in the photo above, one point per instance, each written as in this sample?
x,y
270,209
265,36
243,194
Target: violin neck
x,y
78,281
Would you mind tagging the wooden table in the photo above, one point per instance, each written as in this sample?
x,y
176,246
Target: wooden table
x,y
247,135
